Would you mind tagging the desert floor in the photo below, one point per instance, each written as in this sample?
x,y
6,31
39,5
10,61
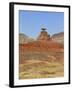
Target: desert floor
x,y
41,65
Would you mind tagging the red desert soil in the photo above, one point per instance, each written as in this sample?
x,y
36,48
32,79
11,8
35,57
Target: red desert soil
x,y
39,50
42,46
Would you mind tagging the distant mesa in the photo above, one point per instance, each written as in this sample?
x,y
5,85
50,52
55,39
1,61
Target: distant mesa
x,y
58,37
24,38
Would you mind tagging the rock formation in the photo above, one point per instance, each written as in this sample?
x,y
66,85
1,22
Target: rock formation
x,y
24,39
58,37
44,36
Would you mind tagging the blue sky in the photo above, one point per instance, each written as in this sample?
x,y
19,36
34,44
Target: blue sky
x,y
31,22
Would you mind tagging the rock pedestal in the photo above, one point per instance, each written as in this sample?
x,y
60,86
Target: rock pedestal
x,y
44,36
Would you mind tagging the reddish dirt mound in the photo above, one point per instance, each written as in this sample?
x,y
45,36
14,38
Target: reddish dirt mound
x,y
42,46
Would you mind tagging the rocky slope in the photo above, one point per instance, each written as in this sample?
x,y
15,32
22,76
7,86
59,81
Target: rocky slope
x,y
24,39
59,37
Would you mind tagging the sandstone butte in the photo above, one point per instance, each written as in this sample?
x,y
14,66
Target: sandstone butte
x,y
43,43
